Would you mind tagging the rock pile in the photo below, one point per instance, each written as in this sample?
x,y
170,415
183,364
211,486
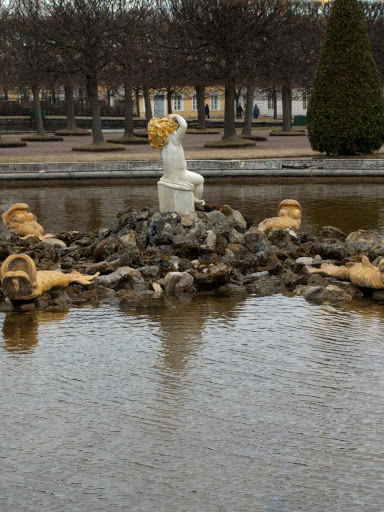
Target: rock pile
x,y
148,253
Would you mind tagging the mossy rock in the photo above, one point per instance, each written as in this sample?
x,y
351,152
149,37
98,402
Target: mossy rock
x,y
105,147
206,131
42,138
129,140
256,138
4,143
78,132
233,142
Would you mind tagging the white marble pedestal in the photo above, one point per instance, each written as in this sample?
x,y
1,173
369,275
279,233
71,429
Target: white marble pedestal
x,y
176,196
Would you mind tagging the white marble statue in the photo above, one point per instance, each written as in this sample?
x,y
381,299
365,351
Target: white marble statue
x,y
179,189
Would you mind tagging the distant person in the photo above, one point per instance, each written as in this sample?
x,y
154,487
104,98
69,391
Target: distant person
x,y
256,112
207,111
240,112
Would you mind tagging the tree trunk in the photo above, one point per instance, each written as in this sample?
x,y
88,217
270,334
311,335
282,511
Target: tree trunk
x,y
229,111
93,97
137,95
147,102
247,126
200,100
53,96
70,107
128,108
286,94
37,107
274,99
6,97
169,101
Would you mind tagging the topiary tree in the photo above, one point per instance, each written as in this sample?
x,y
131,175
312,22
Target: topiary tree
x,y
346,107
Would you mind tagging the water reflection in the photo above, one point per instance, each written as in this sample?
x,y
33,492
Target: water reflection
x,y
215,404
21,330
82,206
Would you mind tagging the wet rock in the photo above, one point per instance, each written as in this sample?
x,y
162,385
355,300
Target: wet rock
x,y
106,293
239,251
130,276
351,289
327,251
217,276
218,222
231,289
127,244
210,241
317,280
234,237
314,293
178,282
304,260
378,295
6,306
332,232
162,227
256,241
54,242
330,293
87,297
188,219
104,267
266,286
60,298
361,241
249,278
234,217
133,297
126,221
151,271
105,249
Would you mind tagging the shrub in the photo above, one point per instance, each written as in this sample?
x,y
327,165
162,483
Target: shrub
x,y
346,107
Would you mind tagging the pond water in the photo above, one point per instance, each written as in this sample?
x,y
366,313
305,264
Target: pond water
x,y
209,403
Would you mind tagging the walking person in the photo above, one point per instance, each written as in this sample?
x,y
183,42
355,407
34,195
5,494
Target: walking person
x,y
256,112
240,112
207,111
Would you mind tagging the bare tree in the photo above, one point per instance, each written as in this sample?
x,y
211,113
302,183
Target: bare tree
x,y
87,29
229,35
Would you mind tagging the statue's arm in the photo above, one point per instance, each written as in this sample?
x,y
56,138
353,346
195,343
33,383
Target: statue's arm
x,y
182,127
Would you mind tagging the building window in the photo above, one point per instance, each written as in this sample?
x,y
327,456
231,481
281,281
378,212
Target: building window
x,y
271,101
194,102
215,102
178,103
305,100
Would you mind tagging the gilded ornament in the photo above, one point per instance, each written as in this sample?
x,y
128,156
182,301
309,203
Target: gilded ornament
x,y
158,130
289,214
21,280
361,274
22,223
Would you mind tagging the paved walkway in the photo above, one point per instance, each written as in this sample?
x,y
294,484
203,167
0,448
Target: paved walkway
x,y
191,143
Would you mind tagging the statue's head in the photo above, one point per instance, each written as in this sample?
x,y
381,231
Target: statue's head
x,y
158,130
289,208
17,213
18,276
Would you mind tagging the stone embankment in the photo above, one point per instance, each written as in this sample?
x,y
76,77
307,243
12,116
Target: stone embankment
x,y
145,254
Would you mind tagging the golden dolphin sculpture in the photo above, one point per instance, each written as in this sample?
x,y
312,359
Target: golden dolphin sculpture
x,y
289,214
23,223
361,274
21,281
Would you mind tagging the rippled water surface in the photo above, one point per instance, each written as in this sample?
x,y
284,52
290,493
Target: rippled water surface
x,y
91,205
205,404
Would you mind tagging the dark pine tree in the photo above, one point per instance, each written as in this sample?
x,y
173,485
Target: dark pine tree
x,y
346,107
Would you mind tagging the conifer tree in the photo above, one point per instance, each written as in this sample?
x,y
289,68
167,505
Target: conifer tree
x,y
346,107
